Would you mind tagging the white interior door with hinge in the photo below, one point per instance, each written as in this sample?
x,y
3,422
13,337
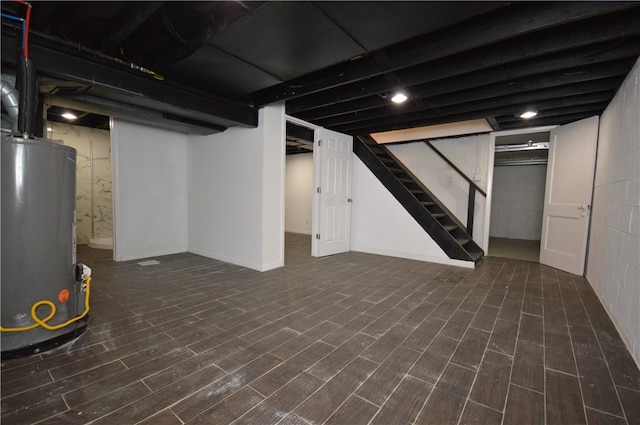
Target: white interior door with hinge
x,y
333,163
568,192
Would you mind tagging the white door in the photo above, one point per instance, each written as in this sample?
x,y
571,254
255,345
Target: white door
x,y
332,219
567,204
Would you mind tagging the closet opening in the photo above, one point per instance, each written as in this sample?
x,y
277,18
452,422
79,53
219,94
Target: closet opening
x,y
519,176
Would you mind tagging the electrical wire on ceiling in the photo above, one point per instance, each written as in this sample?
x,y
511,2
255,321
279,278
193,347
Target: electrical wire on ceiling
x,y
172,30
134,66
79,47
26,23
26,28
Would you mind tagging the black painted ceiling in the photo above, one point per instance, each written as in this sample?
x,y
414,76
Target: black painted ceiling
x,y
335,64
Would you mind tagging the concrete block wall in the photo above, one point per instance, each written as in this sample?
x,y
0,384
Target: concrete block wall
x,y
613,267
518,201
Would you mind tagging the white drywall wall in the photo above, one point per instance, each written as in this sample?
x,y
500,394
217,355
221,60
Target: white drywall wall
x,y
299,193
274,135
236,193
150,191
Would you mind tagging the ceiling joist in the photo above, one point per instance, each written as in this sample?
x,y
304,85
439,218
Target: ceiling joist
x,y
503,24
337,64
473,110
130,18
588,44
596,76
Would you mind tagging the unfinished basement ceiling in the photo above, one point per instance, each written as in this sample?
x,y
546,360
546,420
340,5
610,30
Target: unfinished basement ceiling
x,y
299,139
210,65
83,118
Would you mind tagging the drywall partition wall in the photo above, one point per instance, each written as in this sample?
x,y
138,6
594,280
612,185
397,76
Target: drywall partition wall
x,y
225,196
236,193
471,155
274,133
380,225
613,263
150,190
299,193
518,200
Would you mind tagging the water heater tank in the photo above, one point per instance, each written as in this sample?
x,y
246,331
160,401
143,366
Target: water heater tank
x,y
38,245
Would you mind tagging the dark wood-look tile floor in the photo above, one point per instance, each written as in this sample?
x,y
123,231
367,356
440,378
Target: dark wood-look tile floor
x,y
347,339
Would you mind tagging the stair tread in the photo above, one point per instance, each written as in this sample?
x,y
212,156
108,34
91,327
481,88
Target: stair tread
x,y
463,241
476,255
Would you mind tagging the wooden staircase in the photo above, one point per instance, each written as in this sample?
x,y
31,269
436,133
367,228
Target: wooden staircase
x,y
445,229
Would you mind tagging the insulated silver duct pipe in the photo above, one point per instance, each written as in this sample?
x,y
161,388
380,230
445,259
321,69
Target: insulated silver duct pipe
x,y
11,104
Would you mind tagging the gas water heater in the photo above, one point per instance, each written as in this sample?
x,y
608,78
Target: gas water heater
x,y
45,293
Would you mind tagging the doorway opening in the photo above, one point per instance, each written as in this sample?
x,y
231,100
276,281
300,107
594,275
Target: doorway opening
x,y
299,175
90,135
332,165
519,176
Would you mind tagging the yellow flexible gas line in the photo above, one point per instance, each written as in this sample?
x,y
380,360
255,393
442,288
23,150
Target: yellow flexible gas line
x,y
43,322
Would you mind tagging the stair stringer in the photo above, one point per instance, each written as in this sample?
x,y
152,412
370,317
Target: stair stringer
x,y
447,240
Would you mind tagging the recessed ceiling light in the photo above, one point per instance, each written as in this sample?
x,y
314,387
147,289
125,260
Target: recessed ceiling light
x,y
528,114
69,116
399,97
